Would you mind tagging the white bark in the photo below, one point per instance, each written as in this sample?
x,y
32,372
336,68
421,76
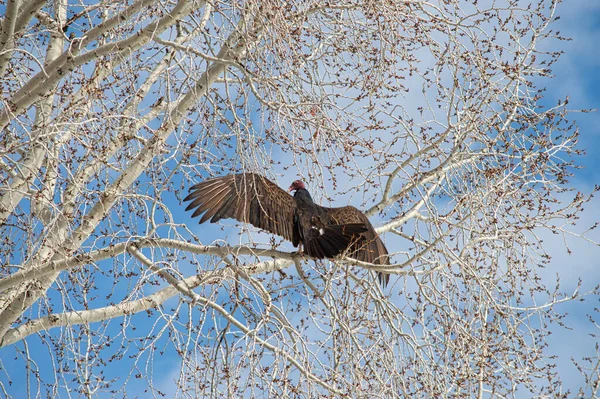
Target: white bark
x,y
103,206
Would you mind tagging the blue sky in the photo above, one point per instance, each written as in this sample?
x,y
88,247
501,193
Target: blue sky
x,y
577,77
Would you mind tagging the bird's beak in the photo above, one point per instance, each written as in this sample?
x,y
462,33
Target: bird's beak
x,y
290,189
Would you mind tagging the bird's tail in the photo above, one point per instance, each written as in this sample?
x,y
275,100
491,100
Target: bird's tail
x,y
371,249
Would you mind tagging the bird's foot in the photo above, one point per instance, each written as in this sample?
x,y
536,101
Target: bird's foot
x,y
299,253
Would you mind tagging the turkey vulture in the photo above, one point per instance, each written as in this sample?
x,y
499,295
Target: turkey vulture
x,y
322,232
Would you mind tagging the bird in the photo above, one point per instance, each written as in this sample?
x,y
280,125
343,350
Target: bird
x,y
320,232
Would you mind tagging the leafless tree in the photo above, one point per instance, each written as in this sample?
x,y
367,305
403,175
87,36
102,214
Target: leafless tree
x,y
430,116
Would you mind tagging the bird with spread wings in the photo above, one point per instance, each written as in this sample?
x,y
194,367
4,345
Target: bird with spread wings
x,y
320,231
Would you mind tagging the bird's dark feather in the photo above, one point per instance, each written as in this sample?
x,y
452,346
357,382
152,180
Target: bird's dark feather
x,y
324,232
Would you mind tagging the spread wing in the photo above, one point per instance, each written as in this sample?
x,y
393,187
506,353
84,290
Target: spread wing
x,y
371,249
248,198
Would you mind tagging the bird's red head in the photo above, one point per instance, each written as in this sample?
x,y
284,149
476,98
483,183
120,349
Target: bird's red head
x,y
296,185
